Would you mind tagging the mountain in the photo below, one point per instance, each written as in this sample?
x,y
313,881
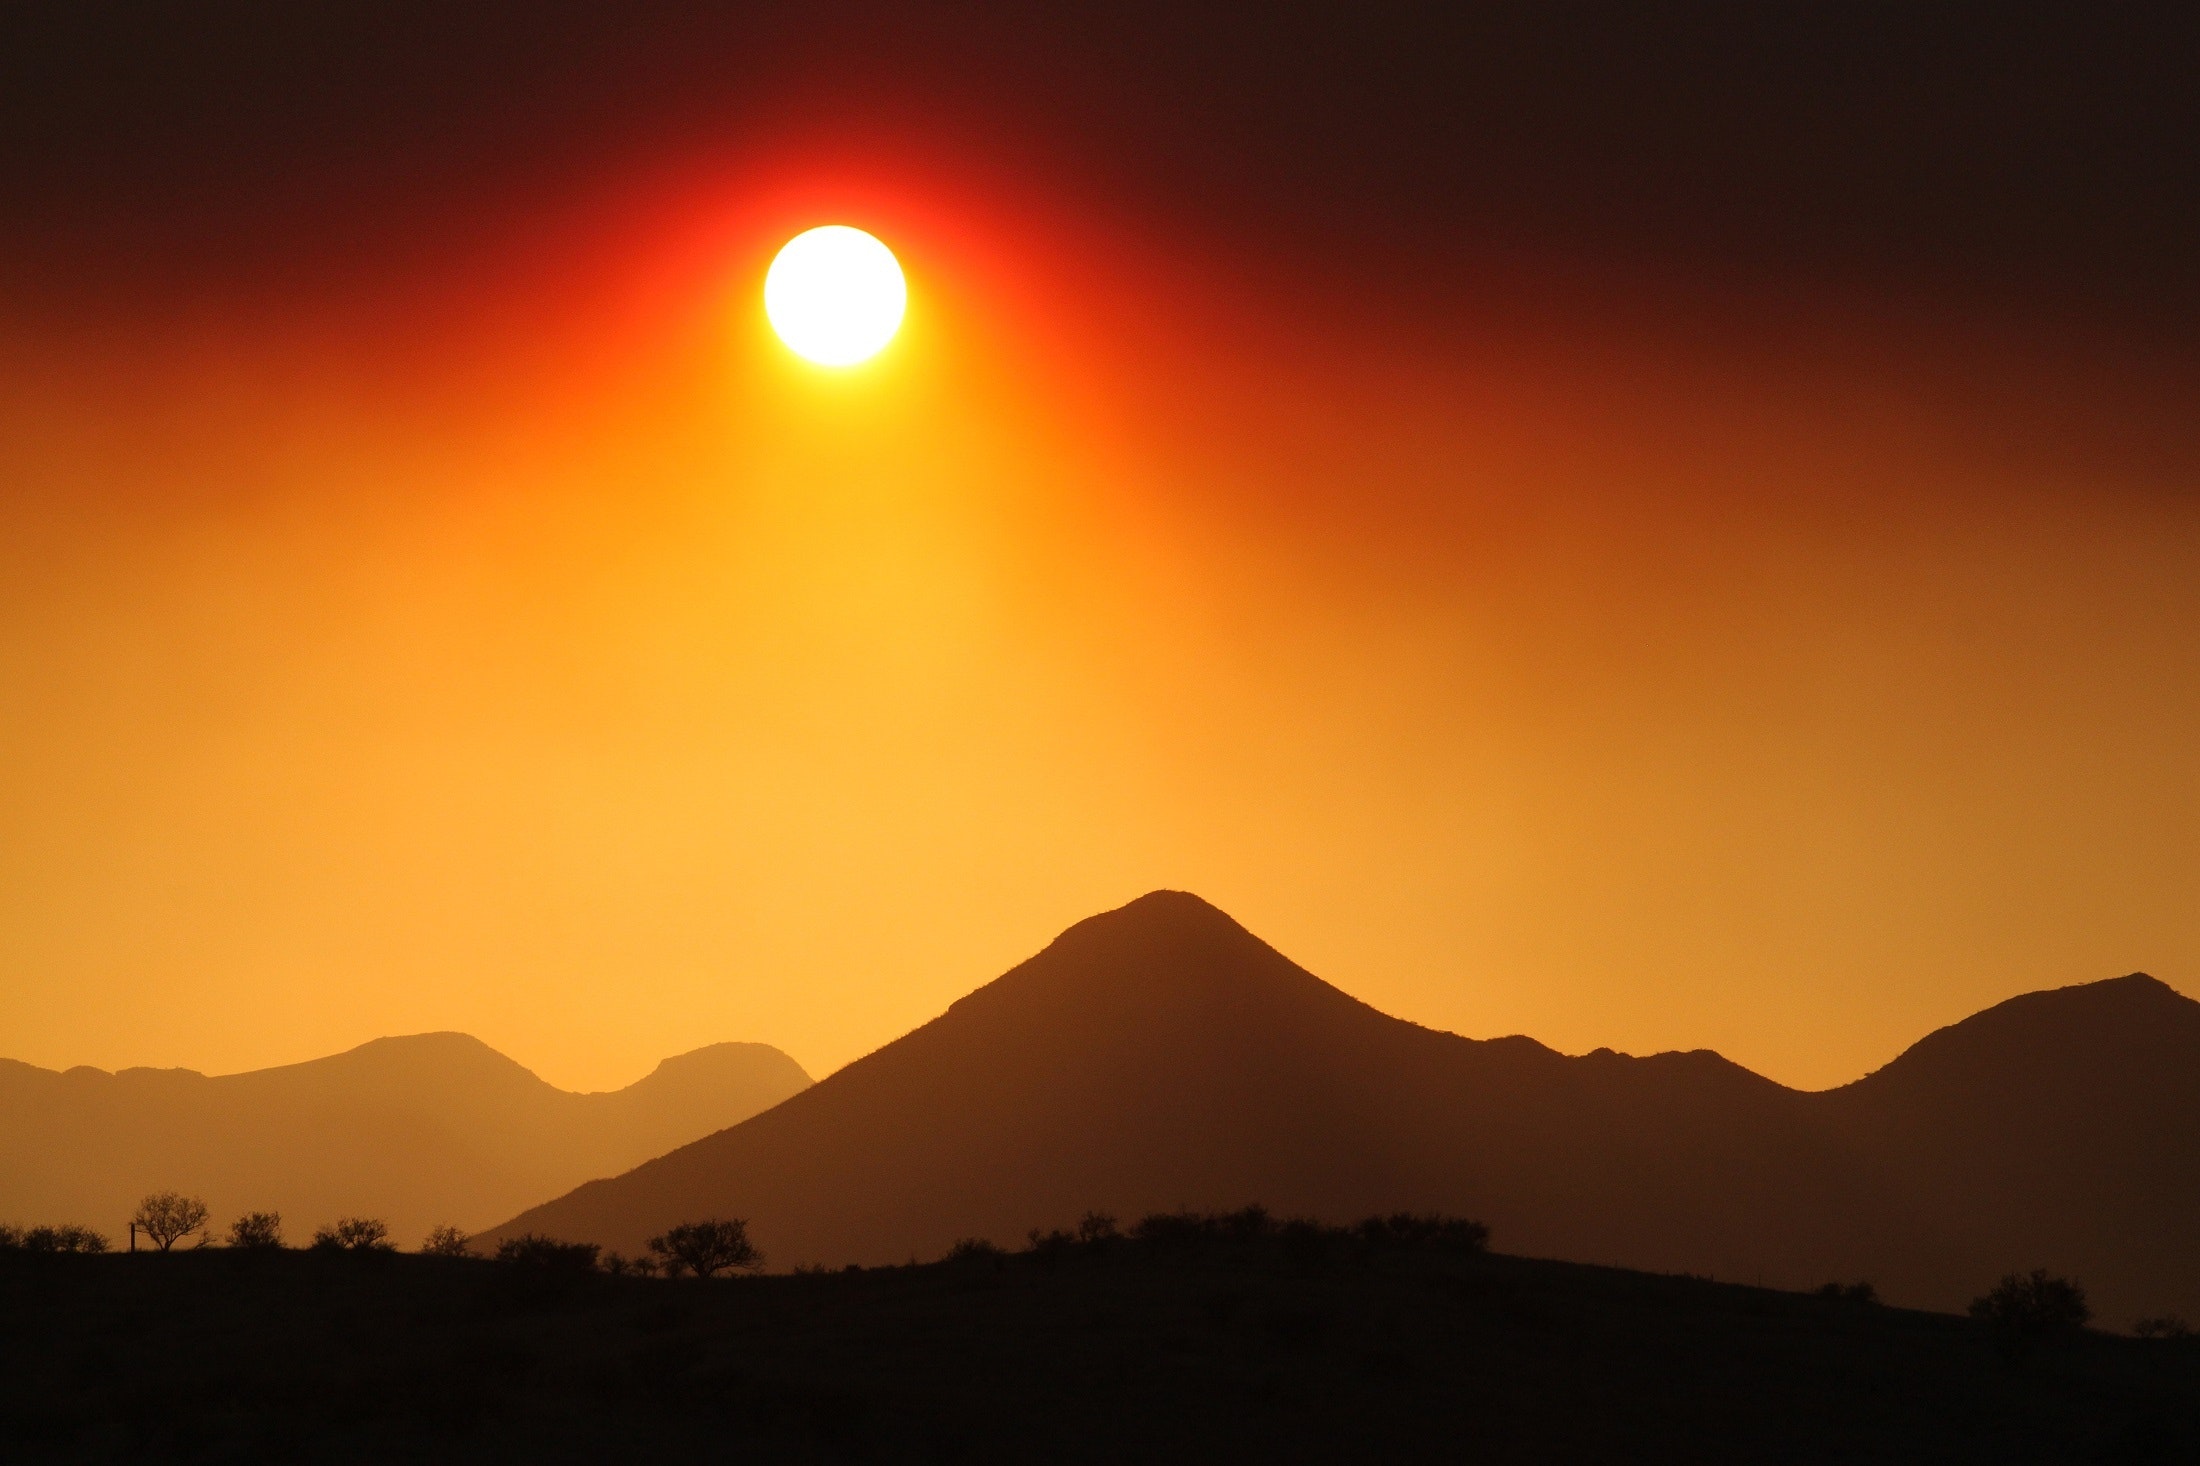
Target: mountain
x,y
2058,1127
429,1129
1161,1056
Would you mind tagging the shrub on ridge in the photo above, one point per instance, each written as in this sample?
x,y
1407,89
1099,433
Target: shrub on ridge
x,y
260,1231
446,1242
66,1238
2024,1309
534,1250
355,1234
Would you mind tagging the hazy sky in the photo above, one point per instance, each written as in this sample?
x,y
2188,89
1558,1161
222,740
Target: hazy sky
x,y
1658,533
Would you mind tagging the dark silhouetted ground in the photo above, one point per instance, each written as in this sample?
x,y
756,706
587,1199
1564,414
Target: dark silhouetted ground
x,y
1130,1352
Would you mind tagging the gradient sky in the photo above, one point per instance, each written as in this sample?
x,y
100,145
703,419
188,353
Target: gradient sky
x,y
1658,532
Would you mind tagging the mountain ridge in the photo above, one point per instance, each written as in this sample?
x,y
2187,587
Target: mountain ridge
x,y
1160,1055
418,1129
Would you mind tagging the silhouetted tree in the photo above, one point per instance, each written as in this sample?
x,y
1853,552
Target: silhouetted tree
x,y
1097,1227
64,1239
706,1248
355,1234
261,1230
446,1242
2024,1308
167,1217
11,1238
976,1251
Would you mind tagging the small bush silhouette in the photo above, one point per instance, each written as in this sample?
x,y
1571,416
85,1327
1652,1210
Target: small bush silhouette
x,y
976,1251
64,1239
1097,1227
1305,1242
446,1242
257,1230
1176,1229
1853,1292
167,1217
1415,1232
1051,1247
2167,1326
548,1253
355,1234
2025,1308
706,1248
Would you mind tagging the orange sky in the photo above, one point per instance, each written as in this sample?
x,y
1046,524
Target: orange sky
x,y
531,647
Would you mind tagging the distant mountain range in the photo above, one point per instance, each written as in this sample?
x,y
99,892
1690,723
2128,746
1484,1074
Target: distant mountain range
x,y
436,1128
1161,1056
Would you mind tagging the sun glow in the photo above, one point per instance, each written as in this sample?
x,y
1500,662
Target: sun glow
x,y
835,295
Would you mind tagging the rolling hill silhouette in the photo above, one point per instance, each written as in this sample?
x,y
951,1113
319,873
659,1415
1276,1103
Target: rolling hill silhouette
x,y
428,1129
1160,1056
2061,1127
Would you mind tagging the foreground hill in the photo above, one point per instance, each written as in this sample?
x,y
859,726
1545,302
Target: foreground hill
x,y
1219,1352
434,1128
1161,1056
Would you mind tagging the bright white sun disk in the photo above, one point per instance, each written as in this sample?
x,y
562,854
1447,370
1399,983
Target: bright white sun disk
x,y
835,295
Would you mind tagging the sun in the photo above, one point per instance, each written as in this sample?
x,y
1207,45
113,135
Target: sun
x,y
835,295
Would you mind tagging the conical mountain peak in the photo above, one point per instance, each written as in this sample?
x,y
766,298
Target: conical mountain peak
x,y
1166,952
1158,920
